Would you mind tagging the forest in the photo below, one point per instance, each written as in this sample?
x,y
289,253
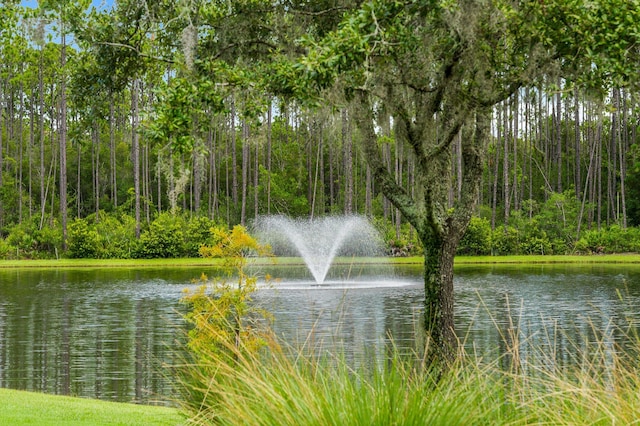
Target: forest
x,y
130,130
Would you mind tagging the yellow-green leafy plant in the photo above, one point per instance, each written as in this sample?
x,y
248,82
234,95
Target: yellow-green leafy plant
x,y
219,311
223,325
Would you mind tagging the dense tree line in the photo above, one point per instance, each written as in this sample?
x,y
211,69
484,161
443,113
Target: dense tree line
x,y
522,112
100,122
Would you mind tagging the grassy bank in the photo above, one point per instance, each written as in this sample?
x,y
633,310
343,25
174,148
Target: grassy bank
x,y
416,260
29,408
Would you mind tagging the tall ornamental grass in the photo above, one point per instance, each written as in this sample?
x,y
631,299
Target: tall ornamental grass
x,y
274,384
237,372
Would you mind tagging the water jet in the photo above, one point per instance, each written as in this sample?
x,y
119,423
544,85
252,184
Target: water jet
x,y
319,241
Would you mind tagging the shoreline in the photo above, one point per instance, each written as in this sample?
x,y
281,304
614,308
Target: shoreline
x,y
632,258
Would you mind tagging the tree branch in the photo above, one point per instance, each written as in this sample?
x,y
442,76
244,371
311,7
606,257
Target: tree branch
x,y
394,192
136,50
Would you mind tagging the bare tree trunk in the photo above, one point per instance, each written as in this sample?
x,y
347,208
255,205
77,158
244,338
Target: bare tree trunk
x,y
309,166
505,165
612,163
576,122
598,192
256,181
113,167
30,151
63,142
348,164
494,199
623,148
135,152
19,179
515,112
558,137
530,134
95,138
398,177
78,178
268,160
332,195
1,154
213,171
43,195
245,171
234,160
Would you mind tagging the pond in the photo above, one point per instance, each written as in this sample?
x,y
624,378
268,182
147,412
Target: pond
x,y
110,333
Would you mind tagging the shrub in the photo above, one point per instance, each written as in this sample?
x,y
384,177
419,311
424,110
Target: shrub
x,y
197,233
84,241
224,325
477,238
117,235
505,240
609,240
404,244
163,239
32,241
536,244
7,251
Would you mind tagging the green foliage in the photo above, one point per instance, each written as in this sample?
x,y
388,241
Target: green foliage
x,y
558,217
505,240
173,235
613,239
7,251
403,244
196,234
116,233
224,325
109,237
83,242
633,190
477,238
32,241
163,239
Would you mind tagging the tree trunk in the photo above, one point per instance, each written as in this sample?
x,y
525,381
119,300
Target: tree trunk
x,y
577,173
43,195
135,153
558,134
245,171
63,144
439,228
348,164
234,157
496,175
256,181
515,111
95,136
506,196
268,159
113,165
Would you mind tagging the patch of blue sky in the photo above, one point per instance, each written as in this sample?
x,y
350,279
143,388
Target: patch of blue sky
x,y
98,4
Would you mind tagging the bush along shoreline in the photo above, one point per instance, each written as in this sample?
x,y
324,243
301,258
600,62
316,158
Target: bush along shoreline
x,y
180,235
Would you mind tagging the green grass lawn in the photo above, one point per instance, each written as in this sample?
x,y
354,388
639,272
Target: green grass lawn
x,y
29,408
194,262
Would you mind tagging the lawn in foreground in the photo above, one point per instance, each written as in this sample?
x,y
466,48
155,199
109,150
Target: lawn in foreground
x,y
30,408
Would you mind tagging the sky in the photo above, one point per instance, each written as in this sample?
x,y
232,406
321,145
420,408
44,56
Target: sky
x,y
99,4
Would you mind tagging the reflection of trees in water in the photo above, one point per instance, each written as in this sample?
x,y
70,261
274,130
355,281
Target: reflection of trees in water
x,y
106,334
566,323
69,339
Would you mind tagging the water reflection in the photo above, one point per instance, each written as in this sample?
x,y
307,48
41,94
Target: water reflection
x,y
107,333
102,333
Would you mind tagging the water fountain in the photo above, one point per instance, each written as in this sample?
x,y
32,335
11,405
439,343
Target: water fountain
x,y
320,240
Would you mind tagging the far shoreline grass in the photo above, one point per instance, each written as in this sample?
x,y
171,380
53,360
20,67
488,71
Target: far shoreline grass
x,y
630,258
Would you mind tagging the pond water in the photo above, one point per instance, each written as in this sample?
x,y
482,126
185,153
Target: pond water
x,y
110,333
